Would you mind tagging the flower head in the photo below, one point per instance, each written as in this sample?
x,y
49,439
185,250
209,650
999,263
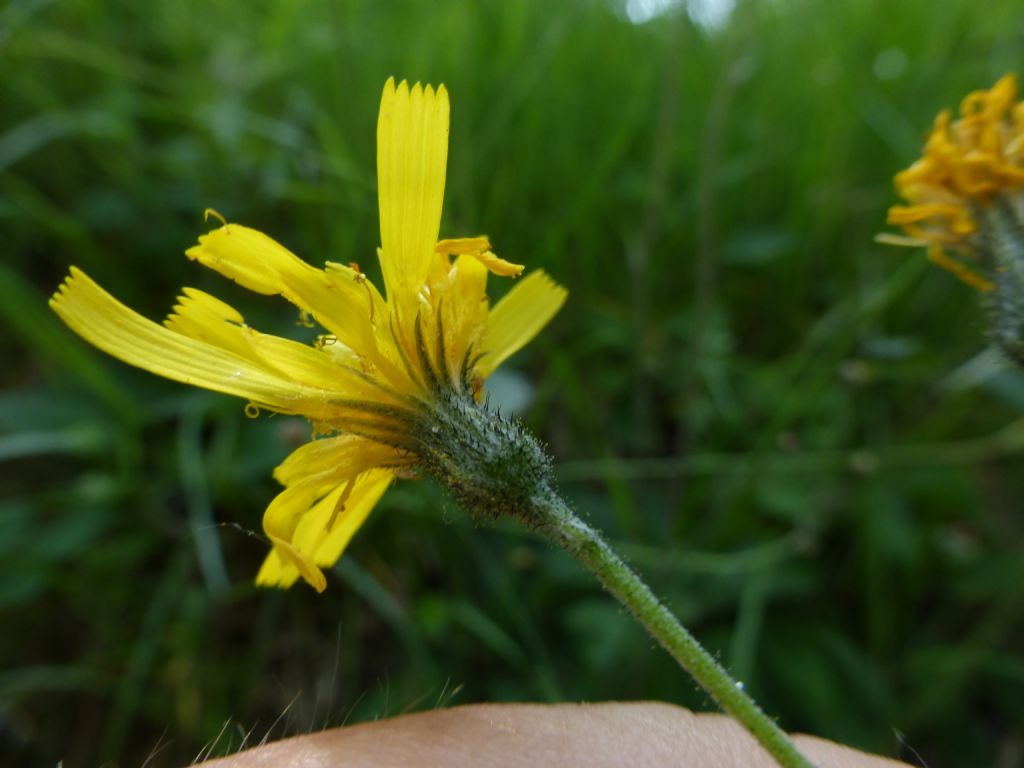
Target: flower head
x,y
969,166
387,367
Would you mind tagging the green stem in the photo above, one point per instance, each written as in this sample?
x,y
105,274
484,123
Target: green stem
x,y
555,518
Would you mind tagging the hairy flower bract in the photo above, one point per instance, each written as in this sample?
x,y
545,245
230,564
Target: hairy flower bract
x,y
374,380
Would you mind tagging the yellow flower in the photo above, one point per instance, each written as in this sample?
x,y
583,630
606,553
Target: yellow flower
x,y
373,382
969,166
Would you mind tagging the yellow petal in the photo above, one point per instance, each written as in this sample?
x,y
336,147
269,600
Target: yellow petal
x,y
499,266
316,469
339,302
207,318
518,317
329,527
103,321
470,284
254,260
462,245
465,311
937,256
277,569
346,455
480,247
285,564
204,305
339,375
323,532
885,238
412,155
347,304
318,368
247,256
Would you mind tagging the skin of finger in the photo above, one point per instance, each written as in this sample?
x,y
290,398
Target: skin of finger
x,y
539,735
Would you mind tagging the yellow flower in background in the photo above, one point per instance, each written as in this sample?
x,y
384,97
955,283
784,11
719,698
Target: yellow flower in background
x,y
969,166
387,366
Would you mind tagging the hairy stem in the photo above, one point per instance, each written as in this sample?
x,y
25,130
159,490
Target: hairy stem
x,y
553,516
496,469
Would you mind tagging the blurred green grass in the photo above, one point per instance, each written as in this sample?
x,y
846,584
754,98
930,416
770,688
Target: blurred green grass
x,y
788,429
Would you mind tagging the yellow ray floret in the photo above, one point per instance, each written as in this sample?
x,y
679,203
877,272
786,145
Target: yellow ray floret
x,y
320,541
966,166
412,158
103,321
518,317
332,296
480,248
371,382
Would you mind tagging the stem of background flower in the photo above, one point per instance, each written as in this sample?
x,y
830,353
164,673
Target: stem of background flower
x,y
562,525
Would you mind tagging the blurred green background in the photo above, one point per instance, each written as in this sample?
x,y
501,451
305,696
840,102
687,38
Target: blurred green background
x,y
795,433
